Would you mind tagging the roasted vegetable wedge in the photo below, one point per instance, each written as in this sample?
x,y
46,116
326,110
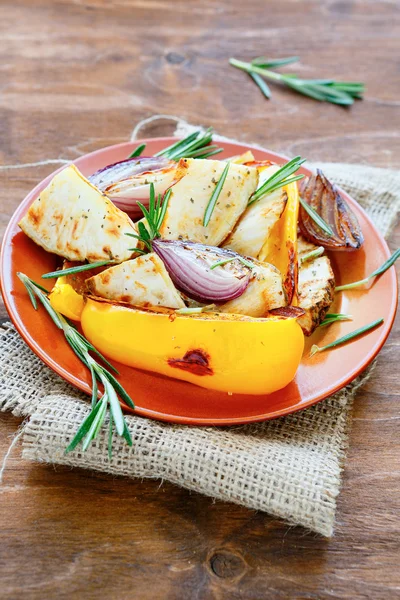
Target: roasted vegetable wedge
x,y
280,249
229,353
255,225
72,218
196,181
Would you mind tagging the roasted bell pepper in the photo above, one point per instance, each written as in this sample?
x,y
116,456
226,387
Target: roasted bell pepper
x,y
225,352
66,300
281,247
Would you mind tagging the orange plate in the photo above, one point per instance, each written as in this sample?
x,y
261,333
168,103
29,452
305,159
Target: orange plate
x,y
176,401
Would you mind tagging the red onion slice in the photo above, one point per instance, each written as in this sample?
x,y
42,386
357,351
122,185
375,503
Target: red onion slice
x,y
188,265
128,181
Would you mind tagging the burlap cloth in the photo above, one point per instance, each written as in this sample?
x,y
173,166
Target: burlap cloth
x,y
289,467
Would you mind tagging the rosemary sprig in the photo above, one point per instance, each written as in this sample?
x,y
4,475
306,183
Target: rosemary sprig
x,y
154,216
312,254
92,424
245,262
316,217
78,269
195,145
334,317
324,90
279,179
386,265
215,195
346,338
137,151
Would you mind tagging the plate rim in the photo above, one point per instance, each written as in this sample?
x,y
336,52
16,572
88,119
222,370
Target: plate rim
x,y
187,420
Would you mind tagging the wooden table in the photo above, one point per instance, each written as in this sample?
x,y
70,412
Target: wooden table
x,y
76,76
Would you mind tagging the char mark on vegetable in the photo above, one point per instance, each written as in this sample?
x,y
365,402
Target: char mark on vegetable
x,y
195,362
288,312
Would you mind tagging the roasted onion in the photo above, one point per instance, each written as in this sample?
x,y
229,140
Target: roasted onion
x,y
326,200
188,265
128,181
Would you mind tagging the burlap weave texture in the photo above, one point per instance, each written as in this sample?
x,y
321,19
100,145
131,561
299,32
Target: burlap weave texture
x,y
289,467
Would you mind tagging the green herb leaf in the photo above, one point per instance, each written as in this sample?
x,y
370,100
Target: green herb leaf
x,y
334,317
245,262
273,63
137,151
386,265
215,195
312,254
261,84
346,338
316,217
110,436
78,269
279,179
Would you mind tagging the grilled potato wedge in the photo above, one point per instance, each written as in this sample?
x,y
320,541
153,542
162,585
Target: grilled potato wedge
x,y
72,218
264,292
142,282
316,288
196,181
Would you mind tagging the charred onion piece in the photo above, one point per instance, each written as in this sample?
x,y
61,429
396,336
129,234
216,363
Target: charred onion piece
x,y
188,265
325,199
128,181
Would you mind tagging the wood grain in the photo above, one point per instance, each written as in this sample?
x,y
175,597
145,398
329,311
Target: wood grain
x,y
76,76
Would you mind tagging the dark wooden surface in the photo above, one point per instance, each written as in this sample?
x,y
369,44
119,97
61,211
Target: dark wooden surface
x,y
76,76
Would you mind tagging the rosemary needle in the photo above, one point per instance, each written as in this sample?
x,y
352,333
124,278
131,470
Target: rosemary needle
x,y
386,265
346,338
245,262
312,254
78,269
215,195
316,217
137,151
334,318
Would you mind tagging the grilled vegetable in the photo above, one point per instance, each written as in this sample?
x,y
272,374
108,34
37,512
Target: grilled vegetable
x,y
316,288
73,219
345,232
128,181
229,353
66,300
255,225
190,196
264,293
143,281
241,159
191,267
280,249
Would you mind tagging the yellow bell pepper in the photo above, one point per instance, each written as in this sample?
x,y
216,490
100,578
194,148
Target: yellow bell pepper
x,y
281,247
66,300
226,352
